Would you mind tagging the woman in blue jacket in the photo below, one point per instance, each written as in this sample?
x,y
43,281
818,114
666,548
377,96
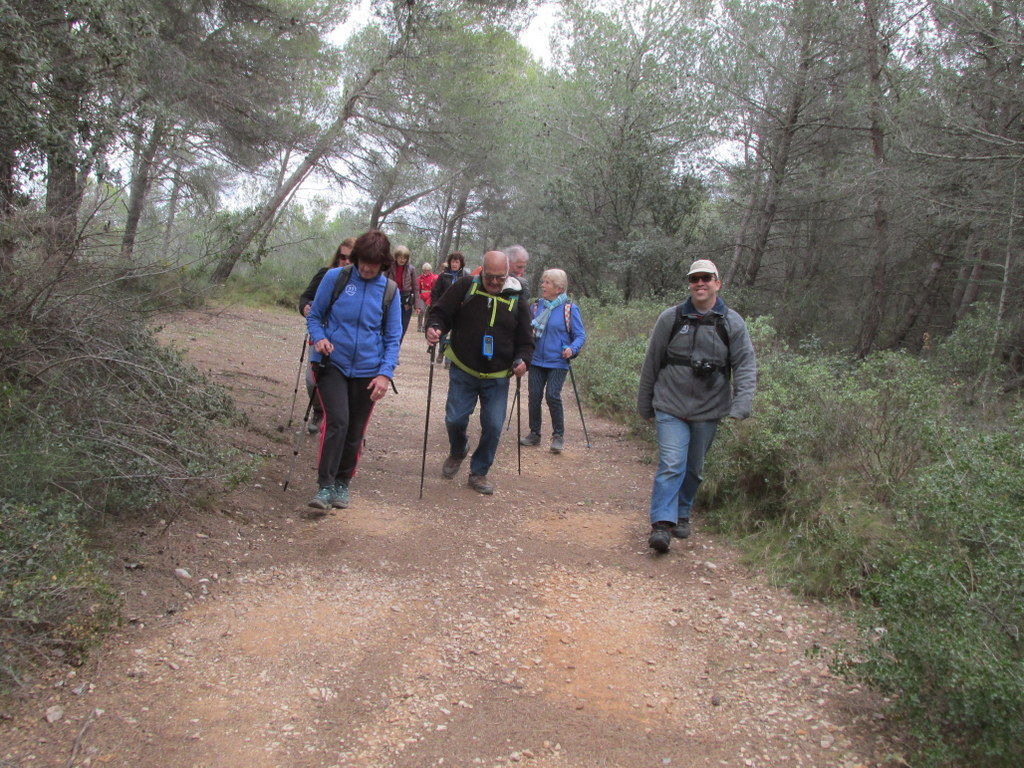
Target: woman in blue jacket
x,y
355,342
558,330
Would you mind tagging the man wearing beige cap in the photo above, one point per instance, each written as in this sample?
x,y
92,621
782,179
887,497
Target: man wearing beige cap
x,y
700,368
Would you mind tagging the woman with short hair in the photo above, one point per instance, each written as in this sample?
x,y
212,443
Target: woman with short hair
x,y
355,339
559,336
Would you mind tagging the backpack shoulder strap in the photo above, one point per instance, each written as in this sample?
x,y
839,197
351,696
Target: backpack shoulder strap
x,y
389,295
339,285
568,318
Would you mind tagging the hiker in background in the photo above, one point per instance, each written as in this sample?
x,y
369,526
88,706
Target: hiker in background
x,y
490,341
519,260
404,274
424,284
454,268
339,259
358,338
700,368
559,336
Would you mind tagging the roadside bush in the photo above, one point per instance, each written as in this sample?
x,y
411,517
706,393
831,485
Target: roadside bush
x,y
942,633
54,601
608,370
99,420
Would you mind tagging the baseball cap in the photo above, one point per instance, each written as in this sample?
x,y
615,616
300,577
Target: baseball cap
x,y
703,267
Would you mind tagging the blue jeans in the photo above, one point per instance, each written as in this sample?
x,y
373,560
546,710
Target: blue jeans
x,y
552,379
682,446
463,392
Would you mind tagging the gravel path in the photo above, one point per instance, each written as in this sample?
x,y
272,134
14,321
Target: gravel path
x,y
530,628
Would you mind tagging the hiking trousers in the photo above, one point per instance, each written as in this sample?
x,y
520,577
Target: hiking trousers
x,y
546,384
463,392
347,406
682,446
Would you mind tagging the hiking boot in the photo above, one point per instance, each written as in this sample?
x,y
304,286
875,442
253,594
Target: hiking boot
x,y
323,498
661,537
451,465
557,443
681,530
314,422
531,439
340,498
480,484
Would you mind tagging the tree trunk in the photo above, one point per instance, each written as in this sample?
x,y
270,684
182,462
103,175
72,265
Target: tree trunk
x,y
972,285
142,180
880,216
7,243
777,162
172,209
925,296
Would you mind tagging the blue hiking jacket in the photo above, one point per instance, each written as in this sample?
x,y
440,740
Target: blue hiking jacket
x,y
361,348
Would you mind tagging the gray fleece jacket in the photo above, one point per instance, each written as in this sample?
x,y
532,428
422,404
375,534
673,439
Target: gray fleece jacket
x,y
677,390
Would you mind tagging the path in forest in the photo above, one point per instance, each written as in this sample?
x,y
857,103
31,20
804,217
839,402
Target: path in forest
x,y
530,628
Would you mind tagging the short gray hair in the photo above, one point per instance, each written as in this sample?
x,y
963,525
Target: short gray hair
x,y
558,278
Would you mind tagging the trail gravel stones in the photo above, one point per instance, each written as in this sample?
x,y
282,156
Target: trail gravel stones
x,y
529,628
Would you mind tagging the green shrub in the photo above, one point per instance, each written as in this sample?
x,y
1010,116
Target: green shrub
x,y
54,602
943,633
98,420
608,370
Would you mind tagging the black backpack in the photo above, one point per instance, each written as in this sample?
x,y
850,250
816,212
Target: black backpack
x,y
718,321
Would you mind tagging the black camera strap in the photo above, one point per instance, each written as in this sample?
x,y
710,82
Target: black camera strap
x,y
681,319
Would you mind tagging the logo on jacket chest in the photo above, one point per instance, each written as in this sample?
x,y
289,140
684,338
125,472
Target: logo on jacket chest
x,y
350,290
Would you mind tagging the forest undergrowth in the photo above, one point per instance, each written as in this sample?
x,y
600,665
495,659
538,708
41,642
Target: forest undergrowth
x,y
893,485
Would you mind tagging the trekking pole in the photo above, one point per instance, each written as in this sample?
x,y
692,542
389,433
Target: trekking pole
x,y
305,420
576,394
298,377
512,409
519,425
426,421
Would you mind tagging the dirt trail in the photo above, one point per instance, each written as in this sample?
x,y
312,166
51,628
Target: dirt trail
x,y
530,628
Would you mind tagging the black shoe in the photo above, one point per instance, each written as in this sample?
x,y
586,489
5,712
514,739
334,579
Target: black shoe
x,y
451,465
681,530
661,537
480,484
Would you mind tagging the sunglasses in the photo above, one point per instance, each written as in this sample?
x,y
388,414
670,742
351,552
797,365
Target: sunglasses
x,y
702,278
493,278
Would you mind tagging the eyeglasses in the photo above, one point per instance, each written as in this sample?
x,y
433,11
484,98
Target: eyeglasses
x,y
702,278
493,278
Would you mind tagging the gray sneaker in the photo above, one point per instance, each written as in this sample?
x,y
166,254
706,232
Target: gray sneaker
x,y
531,439
557,443
323,498
340,498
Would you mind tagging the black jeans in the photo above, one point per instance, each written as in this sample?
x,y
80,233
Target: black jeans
x,y
347,406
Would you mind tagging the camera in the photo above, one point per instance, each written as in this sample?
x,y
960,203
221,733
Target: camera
x,y
702,368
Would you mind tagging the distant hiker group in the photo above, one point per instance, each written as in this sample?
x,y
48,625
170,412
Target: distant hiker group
x,y
699,368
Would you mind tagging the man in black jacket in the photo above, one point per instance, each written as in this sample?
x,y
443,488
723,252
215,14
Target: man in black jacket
x,y
490,341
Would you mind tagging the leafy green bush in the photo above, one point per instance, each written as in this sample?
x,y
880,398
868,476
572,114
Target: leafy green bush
x,y
855,479
608,370
943,633
54,601
99,420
